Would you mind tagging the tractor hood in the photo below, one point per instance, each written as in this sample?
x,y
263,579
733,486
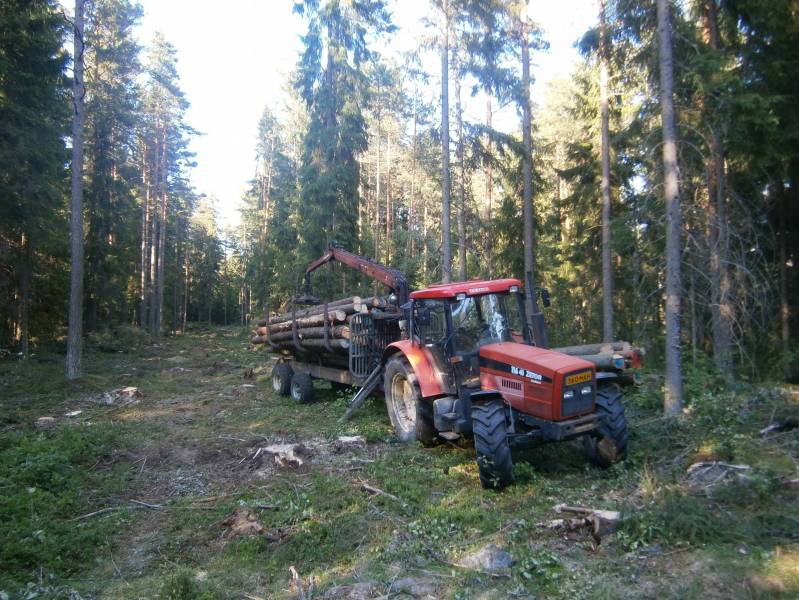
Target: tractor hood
x,y
533,379
530,363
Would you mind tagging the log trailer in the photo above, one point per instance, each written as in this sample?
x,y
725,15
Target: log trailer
x,y
462,359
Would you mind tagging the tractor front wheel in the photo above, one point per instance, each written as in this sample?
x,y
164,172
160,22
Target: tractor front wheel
x,y
607,444
410,415
490,431
281,378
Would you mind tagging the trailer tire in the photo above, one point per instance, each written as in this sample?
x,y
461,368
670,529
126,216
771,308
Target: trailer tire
x,y
410,415
302,388
281,378
607,444
494,461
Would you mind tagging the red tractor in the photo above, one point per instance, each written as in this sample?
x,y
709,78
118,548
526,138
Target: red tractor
x,y
461,358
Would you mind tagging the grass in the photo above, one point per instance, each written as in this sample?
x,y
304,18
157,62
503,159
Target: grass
x,y
183,446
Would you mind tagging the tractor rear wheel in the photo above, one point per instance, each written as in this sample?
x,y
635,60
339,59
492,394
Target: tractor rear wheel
x,y
302,388
490,431
410,415
281,378
607,444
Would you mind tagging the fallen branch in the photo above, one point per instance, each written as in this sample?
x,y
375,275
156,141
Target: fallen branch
x,y
600,522
378,492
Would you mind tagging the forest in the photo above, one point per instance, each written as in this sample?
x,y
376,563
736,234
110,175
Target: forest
x,y
653,190
362,155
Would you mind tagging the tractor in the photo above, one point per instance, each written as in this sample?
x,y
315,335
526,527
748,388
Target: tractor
x,y
463,359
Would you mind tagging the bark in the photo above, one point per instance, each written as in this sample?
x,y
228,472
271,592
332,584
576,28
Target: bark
x,y
527,169
25,293
185,290
461,179
607,264
446,250
376,227
75,331
389,206
785,307
489,175
718,227
145,243
673,399
159,323
412,221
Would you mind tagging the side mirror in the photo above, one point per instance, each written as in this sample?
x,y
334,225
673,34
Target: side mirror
x,y
545,299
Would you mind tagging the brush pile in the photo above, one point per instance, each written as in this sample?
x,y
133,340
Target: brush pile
x,y
322,328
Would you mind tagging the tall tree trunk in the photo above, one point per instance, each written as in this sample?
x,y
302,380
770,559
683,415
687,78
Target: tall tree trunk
x,y
461,175
376,228
673,399
718,227
25,293
185,290
489,175
145,241
446,250
527,170
159,324
412,220
75,332
785,307
389,206
607,264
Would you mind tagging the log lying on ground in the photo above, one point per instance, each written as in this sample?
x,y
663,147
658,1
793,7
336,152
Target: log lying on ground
x,y
600,523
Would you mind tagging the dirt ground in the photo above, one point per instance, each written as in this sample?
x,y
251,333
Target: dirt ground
x,y
231,491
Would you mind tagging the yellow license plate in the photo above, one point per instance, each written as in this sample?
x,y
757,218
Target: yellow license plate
x,y
578,378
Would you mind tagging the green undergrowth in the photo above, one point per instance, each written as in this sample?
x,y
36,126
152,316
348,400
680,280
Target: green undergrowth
x,y
184,446
47,481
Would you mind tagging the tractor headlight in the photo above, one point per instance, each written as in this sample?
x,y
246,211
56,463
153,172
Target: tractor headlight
x,y
586,390
568,394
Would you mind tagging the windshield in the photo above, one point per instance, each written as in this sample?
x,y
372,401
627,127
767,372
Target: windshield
x,y
488,319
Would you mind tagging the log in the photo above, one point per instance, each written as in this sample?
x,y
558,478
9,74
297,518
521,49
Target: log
x,y
602,348
313,343
333,316
600,522
348,306
608,360
337,332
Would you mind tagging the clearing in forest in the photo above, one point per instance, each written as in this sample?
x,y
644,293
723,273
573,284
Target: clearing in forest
x,y
202,483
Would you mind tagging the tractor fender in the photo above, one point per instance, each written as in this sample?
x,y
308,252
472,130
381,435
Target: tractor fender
x,y
485,396
431,382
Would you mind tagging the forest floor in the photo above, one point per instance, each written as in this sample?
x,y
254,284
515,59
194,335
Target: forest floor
x,y
162,496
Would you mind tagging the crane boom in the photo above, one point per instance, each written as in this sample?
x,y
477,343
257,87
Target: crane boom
x,y
392,278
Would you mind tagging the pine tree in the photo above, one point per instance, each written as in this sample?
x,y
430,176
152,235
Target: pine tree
x,y
34,112
674,386
75,334
334,92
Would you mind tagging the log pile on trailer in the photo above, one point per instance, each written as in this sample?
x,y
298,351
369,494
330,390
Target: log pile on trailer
x,y
315,329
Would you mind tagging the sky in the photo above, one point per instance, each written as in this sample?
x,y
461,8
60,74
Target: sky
x,y
234,58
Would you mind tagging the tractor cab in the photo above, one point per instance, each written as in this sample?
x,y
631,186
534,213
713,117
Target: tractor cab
x,y
455,320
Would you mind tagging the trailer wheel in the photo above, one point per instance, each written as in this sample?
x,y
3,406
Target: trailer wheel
x,y
490,431
302,388
281,378
410,415
608,443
